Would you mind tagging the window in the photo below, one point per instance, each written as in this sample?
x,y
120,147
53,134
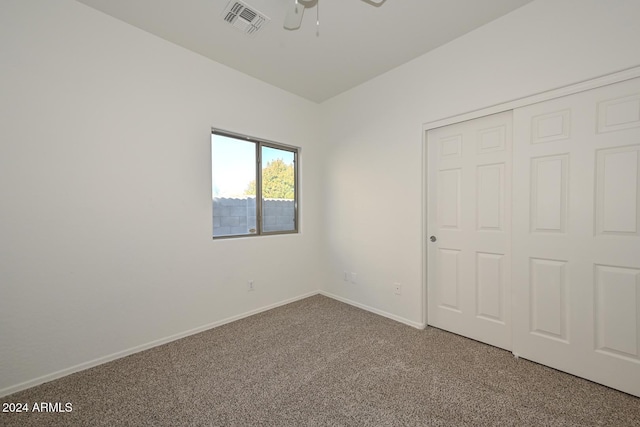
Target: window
x,y
254,186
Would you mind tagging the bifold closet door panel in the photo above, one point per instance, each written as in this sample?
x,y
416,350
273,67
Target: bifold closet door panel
x,y
576,234
469,219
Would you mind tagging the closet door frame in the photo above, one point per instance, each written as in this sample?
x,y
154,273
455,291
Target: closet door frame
x,y
607,79
610,79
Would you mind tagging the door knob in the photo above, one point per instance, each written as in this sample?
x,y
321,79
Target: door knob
x,y
433,238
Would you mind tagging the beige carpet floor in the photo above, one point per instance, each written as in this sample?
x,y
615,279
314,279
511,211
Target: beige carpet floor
x,y
319,362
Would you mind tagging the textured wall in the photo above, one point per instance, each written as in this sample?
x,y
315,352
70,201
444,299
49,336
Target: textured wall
x,y
373,133
105,176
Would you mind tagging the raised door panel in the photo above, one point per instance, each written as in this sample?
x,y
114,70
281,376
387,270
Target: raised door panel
x,y
549,193
490,197
548,299
449,199
451,147
490,284
492,139
618,191
449,279
551,127
617,308
619,113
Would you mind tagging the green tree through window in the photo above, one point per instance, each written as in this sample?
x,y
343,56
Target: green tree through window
x,y
278,181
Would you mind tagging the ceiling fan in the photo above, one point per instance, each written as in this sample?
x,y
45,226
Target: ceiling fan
x,y
295,11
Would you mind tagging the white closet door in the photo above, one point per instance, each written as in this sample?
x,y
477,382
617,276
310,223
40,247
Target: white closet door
x,y
576,234
469,263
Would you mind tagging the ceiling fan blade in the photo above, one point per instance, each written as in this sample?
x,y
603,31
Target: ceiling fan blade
x,y
293,20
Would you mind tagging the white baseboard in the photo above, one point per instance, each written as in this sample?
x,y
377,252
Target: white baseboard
x,y
416,325
99,361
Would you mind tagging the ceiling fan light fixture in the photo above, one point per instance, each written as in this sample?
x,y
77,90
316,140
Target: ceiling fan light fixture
x,y
295,10
293,18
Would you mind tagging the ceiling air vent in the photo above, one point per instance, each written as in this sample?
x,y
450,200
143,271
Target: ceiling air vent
x,y
245,18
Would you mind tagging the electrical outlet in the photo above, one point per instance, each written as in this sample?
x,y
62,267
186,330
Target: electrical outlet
x,y
397,288
354,277
250,286
346,276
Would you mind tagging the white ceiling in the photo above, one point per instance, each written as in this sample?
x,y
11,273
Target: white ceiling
x,y
357,41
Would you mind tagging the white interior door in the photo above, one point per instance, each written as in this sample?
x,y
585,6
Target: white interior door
x,y
469,205
576,234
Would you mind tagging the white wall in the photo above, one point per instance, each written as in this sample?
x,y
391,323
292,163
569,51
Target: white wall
x,y
105,208
375,139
